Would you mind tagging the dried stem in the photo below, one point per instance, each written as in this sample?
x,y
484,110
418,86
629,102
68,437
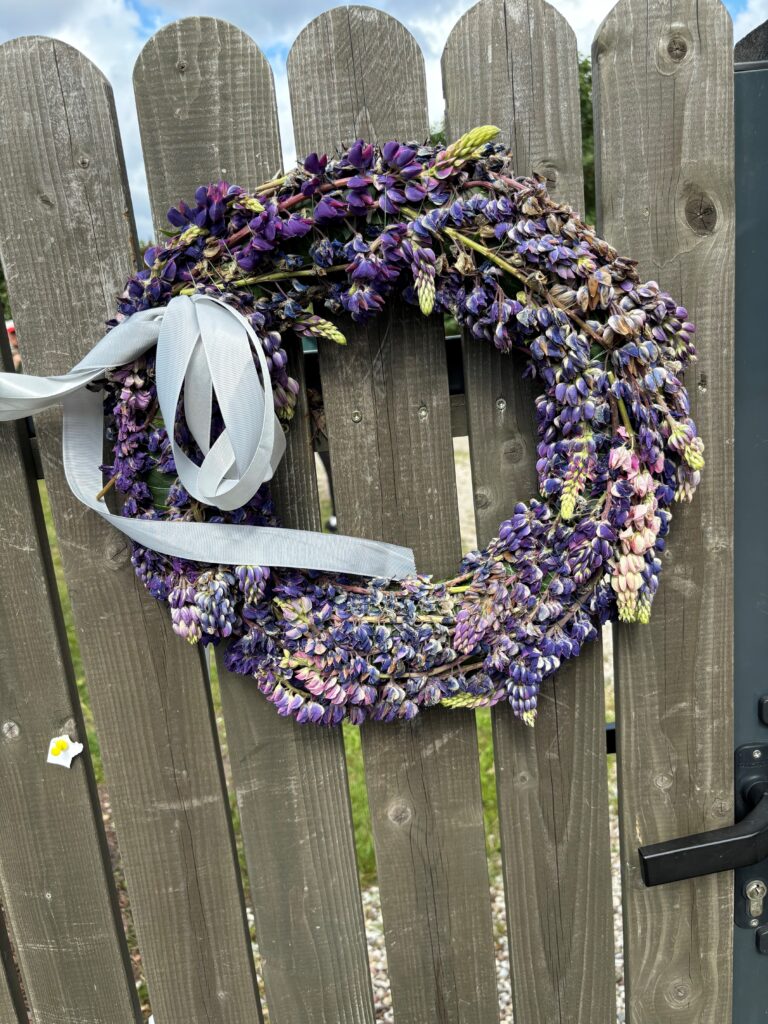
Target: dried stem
x,y
528,280
106,488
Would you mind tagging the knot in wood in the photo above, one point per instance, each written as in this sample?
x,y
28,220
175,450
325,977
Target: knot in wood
x,y
677,48
513,449
482,497
722,807
84,160
116,553
399,812
547,170
678,993
701,213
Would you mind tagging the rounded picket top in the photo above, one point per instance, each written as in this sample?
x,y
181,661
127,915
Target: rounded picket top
x,y
61,144
671,36
205,97
663,92
515,64
356,72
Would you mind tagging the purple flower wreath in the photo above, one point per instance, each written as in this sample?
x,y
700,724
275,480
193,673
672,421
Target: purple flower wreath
x,y
455,232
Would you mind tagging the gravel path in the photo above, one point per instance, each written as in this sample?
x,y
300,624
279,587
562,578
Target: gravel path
x,y
378,956
377,953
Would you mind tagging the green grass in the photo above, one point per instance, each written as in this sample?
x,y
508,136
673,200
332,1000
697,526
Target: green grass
x,y
74,646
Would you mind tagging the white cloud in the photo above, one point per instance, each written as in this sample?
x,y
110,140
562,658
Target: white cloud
x,y
112,32
109,33
754,14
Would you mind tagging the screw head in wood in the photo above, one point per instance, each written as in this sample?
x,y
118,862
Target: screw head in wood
x,y
10,730
501,404
423,412
181,66
356,415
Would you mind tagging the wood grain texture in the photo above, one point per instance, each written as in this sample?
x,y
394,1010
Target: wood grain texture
x,y
389,423
12,1009
291,787
294,488
67,240
207,111
56,882
293,799
514,64
8,1013
356,71
664,144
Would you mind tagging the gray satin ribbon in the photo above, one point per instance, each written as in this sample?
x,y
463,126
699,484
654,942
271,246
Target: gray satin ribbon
x,y
205,347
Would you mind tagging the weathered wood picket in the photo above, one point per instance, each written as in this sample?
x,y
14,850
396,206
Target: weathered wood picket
x,y
67,240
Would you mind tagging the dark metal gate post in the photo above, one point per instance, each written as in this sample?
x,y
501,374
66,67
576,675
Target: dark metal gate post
x,y
750,983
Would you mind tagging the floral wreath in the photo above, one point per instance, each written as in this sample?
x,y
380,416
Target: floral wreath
x,y
453,231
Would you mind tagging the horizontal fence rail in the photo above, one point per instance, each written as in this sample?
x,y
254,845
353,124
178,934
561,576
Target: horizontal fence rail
x,y
663,132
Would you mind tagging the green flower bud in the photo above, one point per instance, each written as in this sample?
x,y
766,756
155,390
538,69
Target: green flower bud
x,y
190,234
251,203
471,143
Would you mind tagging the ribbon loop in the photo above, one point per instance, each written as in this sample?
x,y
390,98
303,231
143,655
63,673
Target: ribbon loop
x,y
204,349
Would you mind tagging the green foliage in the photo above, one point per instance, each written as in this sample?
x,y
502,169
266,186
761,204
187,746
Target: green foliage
x,y
587,138
361,815
74,646
4,295
437,134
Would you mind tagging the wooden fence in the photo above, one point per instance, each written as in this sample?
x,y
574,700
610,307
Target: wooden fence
x,y
206,105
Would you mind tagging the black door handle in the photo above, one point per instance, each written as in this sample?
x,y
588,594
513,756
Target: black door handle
x,y
722,849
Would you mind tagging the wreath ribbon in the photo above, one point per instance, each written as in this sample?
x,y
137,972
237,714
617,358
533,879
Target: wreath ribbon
x,y
204,348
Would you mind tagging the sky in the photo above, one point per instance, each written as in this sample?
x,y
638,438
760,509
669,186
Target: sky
x,y
111,33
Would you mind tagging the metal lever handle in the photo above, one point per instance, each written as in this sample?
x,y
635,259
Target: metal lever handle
x,y
722,849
